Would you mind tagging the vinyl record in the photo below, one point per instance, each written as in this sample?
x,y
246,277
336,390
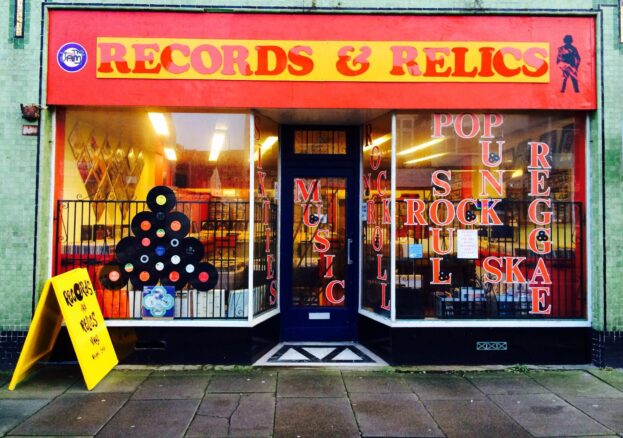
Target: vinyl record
x,y
161,199
177,224
112,277
191,249
205,277
143,276
127,249
174,277
174,257
144,223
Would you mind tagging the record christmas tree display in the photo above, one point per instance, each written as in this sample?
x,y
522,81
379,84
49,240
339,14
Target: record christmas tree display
x,y
159,251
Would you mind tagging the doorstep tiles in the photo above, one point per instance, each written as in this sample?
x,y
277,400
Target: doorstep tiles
x,y
320,354
73,414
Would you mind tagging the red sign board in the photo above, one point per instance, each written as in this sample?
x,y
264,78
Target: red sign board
x,y
123,58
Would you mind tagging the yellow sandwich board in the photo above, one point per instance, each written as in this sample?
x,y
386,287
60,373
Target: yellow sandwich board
x,y
74,300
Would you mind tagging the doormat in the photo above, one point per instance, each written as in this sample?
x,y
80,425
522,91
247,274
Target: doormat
x,y
320,354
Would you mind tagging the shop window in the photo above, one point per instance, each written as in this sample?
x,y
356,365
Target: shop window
x,y
376,228
107,163
490,215
266,165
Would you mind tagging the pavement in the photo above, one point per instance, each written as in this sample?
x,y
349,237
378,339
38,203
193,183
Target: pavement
x,y
317,402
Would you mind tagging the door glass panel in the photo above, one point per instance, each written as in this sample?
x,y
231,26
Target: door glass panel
x,y
319,238
317,142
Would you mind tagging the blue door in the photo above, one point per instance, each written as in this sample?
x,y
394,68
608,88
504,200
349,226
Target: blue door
x,y
319,233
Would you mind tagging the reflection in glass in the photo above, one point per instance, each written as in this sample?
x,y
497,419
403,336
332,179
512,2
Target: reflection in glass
x,y
319,239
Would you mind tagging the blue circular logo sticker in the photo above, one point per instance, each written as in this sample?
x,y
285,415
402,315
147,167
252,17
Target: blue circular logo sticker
x,y
72,57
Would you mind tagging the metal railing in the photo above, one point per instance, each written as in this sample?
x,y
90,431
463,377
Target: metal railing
x,y
87,233
469,295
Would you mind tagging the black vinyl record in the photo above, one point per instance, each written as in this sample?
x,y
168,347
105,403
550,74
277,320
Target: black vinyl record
x,y
144,223
127,250
205,277
174,276
112,277
143,276
161,199
191,249
177,224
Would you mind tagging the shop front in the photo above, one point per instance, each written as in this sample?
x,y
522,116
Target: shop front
x,y
414,183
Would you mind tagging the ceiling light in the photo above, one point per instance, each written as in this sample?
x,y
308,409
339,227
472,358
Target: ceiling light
x,y
517,173
430,157
170,154
377,142
217,144
269,142
421,146
159,123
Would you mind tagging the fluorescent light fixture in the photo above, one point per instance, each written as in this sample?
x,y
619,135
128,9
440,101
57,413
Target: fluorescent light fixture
x,y
377,142
429,157
159,123
217,144
269,142
170,154
421,146
266,144
517,173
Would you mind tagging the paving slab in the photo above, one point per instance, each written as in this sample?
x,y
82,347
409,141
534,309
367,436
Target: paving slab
x,y
610,376
306,383
473,418
46,383
206,426
243,382
315,417
219,405
548,415
151,418
376,383
254,416
443,387
13,412
172,387
73,414
607,411
502,383
115,381
575,384
394,415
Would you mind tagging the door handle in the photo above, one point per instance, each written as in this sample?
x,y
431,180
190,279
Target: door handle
x,y
349,259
